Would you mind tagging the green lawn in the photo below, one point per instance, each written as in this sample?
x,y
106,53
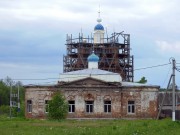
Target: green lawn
x,y
17,126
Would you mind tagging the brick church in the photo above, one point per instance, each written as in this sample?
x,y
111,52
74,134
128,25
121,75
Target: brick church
x,y
94,91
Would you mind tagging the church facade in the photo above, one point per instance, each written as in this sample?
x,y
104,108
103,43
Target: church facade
x,y
93,98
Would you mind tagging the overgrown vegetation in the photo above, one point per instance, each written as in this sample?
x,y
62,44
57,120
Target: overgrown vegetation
x,y
88,127
58,107
5,86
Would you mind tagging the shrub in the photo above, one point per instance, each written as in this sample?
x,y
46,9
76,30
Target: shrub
x,y
4,109
58,107
21,113
16,113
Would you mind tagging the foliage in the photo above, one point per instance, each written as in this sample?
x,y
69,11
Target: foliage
x,y
143,80
5,86
4,109
16,113
58,107
21,113
19,126
4,93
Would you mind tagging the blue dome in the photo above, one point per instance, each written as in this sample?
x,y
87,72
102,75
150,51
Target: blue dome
x,y
93,58
99,27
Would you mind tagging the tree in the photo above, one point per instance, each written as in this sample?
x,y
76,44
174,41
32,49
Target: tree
x,y
58,107
4,93
5,86
143,80
8,81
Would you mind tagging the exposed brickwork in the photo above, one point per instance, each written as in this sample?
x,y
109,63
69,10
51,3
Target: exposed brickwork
x,y
145,99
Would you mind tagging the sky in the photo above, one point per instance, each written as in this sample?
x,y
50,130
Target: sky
x,y
33,35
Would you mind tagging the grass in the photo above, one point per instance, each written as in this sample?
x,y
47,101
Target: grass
x,y
20,126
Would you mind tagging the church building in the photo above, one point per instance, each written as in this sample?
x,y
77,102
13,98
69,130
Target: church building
x,y
92,92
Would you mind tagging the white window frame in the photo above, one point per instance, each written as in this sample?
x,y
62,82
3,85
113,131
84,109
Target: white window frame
x,y
29,106
131,107
89,106
107,106
71,106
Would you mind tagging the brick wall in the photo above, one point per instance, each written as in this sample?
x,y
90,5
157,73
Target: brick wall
x,y
145,101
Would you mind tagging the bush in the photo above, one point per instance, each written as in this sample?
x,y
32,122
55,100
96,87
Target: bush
x,y
21,113
58,107
4,109
16,113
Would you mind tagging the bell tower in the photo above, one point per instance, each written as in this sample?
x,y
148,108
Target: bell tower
x,y
100,51
99,31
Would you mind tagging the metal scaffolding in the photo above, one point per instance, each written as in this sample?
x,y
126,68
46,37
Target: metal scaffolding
x,y
114,54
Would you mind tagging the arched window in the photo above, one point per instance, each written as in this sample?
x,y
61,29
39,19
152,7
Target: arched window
x,y
89,103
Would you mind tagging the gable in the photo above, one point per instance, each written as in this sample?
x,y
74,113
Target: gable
x,y
89,82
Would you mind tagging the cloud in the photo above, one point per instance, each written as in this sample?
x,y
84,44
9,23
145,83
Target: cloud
x,y
25,72
168,47
34,32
